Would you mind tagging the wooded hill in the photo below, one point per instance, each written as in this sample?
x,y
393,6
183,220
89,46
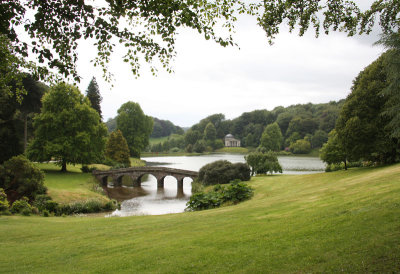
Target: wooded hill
x,y
309,121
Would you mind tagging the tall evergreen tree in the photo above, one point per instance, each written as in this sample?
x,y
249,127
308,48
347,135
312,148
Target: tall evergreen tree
x,y
93,94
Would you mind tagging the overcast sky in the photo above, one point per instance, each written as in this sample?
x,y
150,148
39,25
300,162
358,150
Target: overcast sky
x,y
211,79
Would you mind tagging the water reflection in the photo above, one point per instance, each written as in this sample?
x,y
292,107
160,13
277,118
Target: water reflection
x,y
150,200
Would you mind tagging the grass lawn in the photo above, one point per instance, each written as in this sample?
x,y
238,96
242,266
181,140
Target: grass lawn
x,y
74,186
345,221
240,150
154,141
71,186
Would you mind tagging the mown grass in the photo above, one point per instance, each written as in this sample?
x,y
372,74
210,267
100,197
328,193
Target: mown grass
x,y
239,150
154,141
345,221
74,186
71,186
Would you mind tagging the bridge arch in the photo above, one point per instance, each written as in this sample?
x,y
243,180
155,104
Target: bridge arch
x,y
136,174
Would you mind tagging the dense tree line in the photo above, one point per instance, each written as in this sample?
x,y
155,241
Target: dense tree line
x,y
16,116
364,131
162,128
275,130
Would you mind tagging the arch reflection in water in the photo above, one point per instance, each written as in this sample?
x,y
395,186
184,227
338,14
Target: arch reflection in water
x,y
150,199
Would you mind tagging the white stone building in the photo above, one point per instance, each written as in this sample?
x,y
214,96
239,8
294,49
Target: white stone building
x,y
230,141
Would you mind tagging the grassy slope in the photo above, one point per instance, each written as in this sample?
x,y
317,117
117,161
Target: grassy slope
x,y
69,187
74,185
332,222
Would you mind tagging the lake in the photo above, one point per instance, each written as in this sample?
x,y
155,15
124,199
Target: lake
x,y
148,200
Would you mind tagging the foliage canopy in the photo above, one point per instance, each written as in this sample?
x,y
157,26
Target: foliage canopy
x,y
51,30
135,126
117,148
68,129
20,178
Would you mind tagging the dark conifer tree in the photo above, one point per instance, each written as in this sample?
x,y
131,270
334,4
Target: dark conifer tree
x,y
93,94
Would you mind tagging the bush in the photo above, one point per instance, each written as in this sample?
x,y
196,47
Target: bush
x,y
3,202
199,146
21,207
90,206
197,187
300,147
235,192
262,163
45,203
189,148
242,172
118,166
40,201
174,150
21,178
222,172
86,169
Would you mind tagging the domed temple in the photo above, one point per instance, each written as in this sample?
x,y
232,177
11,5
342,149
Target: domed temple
x,y
231,141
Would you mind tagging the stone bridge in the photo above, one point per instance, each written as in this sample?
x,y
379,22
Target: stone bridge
x,y
136,174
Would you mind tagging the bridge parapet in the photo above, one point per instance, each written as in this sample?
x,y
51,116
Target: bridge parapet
x,y
136,173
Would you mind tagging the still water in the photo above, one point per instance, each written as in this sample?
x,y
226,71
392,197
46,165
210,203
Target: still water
x,y
148,200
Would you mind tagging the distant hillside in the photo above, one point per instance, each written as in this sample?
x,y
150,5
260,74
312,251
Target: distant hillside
x,y
164,128
161,128
296,122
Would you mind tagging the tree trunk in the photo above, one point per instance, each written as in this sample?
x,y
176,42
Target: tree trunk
x,y
345,164
64,166
25,132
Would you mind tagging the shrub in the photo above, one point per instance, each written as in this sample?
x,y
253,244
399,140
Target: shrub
x,y
262,163
174,150
119,165
21,178
3,202
222,172
197,187
199,146
300,147
242,172
21,207
89,206
235,192
201,201
189,148
44,202
117,148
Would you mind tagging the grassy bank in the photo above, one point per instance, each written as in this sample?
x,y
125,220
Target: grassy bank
x,y
161,154
330,222
74,186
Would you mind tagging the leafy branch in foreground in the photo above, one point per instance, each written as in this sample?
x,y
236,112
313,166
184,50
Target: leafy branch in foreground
x,y
50,31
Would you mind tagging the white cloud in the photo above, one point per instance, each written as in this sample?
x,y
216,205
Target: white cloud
x,y
210,79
